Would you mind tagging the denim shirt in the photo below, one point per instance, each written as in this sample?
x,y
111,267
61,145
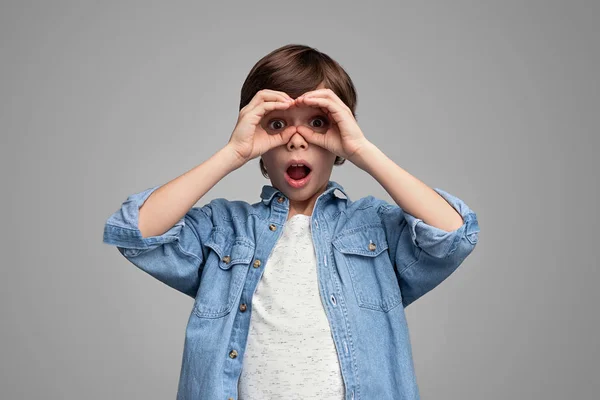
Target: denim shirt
x,y
373,260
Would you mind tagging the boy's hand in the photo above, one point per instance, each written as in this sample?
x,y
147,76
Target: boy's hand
x,y
344,137
248,139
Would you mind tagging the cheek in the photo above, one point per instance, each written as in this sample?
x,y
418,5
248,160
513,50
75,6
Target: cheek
x,y
326,161
270,159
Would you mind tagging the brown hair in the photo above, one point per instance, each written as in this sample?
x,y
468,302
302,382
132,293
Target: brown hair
x,y
296,69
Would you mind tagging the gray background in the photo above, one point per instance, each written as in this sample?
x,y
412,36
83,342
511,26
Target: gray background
x,y
495,102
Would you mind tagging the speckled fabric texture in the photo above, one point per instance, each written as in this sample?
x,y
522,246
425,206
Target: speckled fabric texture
x,y
290,352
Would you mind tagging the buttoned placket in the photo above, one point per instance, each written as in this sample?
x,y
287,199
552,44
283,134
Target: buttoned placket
x,y
335,313
242,319
281,212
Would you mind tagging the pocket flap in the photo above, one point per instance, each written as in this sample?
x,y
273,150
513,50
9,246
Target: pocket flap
x,y
231,250
366,240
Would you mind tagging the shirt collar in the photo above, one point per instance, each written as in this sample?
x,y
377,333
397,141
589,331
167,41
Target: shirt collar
x,y
268,191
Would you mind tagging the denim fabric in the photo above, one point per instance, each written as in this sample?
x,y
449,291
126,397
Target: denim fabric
x,y
374,259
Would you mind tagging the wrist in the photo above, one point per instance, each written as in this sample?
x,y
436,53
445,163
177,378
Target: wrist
x,y
232,158
361,155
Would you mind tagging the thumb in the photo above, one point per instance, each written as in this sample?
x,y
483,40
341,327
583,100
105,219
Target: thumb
x,y
285,136
311,136
276,140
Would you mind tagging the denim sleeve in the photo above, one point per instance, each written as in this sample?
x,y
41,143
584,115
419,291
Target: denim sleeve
x,y
175,257
425,255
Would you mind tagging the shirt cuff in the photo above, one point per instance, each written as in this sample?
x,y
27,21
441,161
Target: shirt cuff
x,y
438,242
121,228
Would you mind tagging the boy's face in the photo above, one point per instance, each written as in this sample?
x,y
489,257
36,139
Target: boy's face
x,y
301,192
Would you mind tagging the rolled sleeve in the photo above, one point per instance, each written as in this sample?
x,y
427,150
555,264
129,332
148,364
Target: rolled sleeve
x,y
175,257
425,255
438,242
122,228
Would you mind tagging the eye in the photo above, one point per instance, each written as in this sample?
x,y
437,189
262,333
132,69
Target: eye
x,y
322,123
279,123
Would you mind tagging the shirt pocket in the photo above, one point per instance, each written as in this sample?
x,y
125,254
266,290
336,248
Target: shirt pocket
x,y
364,251
224,274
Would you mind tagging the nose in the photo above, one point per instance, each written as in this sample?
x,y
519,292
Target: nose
x,y
296,141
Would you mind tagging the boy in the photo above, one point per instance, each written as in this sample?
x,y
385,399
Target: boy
x,y
301,294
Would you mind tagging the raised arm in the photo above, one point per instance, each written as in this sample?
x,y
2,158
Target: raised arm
x,y
169,203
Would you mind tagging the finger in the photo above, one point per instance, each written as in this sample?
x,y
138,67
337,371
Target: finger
x,y
266,92
330,94
327,113
279,139
267,95
334,99
311,136
284,94
263,109
286,134
323,103
268,106
322,108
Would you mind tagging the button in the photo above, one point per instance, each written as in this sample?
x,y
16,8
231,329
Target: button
x,y
272,227
226,259
256,263
233,354
243,307
372,246
280,200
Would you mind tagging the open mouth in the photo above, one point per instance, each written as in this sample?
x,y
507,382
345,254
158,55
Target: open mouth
x,y
298,173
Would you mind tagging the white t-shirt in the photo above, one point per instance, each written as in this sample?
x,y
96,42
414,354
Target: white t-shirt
x,y
290,352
